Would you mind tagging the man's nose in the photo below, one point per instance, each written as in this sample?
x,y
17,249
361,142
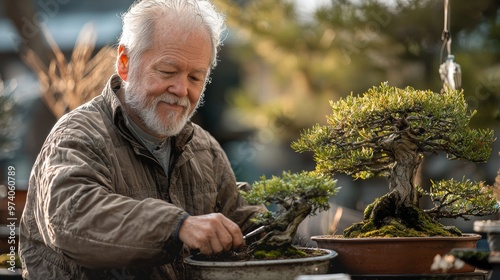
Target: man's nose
x,y
179,86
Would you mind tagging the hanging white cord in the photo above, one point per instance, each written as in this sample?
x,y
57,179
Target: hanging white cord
x,y
446,36
450,72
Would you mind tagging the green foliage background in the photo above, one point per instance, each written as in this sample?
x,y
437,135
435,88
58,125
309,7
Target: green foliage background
x,y
295,63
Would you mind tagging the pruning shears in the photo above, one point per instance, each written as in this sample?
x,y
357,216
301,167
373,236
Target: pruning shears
x,y
254,232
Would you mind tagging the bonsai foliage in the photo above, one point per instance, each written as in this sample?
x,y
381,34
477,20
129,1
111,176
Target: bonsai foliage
x,y
297,196
454,199
386,132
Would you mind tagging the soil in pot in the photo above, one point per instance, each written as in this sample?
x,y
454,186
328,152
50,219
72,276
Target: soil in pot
x,y
317,261
394,255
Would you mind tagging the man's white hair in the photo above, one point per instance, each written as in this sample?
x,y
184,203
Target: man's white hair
x,y
139,23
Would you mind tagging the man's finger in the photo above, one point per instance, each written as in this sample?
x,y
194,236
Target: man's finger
x,y
235,232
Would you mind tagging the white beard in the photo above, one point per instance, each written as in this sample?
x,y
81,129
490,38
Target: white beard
x,y
164,125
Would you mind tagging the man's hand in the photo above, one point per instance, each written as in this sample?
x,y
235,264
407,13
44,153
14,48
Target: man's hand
x,y
211,233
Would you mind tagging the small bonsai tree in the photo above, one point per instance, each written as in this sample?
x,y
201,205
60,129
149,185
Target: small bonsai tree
x,y
386,132
297,196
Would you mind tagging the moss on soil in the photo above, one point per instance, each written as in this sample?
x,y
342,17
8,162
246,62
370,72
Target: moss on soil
x,y
272,254
383,218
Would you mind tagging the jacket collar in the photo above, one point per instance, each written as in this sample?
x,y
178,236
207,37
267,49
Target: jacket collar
x,y
110,95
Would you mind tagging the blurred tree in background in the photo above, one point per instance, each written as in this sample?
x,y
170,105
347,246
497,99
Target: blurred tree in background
x,y
293,61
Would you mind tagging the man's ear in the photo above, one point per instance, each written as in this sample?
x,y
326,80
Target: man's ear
x,y
122,62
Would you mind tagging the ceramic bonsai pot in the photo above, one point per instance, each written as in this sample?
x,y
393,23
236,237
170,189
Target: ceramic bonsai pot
x,y
394,255
285,269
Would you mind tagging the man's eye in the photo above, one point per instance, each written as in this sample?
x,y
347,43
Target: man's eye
x,y
166,72
195,78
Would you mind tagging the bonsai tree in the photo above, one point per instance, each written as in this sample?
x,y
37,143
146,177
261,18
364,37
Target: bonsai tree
x,y
297,196
386,132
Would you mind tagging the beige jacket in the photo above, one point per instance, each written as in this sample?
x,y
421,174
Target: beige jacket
x,y
100,206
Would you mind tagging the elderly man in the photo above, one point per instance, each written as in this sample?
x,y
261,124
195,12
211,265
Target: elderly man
x,y
125,182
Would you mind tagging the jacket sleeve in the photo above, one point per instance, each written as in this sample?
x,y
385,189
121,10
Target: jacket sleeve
x,y
79,214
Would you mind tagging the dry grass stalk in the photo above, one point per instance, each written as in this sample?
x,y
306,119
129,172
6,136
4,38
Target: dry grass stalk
x,y
68,84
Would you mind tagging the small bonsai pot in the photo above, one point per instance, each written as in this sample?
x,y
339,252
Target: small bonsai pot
x,y
259,269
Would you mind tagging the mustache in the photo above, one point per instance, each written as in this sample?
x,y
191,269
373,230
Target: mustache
x,y
173,99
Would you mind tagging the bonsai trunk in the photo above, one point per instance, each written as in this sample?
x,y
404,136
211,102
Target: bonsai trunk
x,y
283,229
402,193
397,213
403,173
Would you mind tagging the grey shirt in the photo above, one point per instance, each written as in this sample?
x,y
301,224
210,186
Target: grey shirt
x,y
160,148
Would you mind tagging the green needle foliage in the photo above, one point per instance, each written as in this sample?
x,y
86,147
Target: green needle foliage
x,y
453,199
354,140
297,195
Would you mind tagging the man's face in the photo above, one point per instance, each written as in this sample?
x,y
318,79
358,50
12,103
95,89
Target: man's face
x,y
165,85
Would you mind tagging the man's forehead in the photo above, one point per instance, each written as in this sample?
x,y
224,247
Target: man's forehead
x,y
168,62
